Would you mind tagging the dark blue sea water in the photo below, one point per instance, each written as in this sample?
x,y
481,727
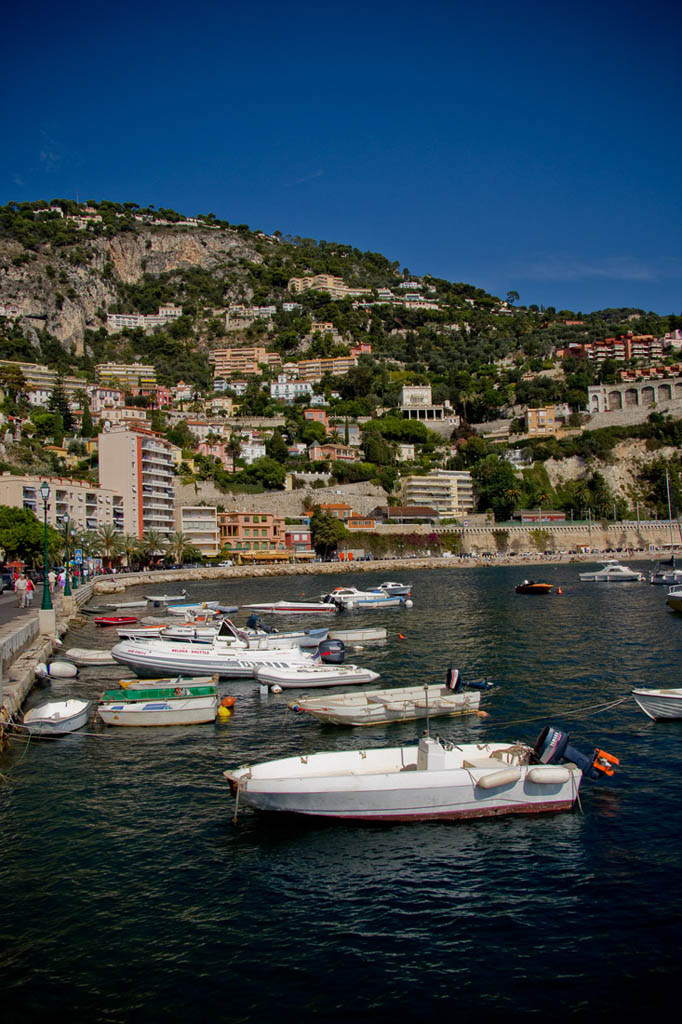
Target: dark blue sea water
x,y
130,895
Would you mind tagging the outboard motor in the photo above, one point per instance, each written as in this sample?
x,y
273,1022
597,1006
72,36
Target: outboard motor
x,y
553,747
332,652
454,682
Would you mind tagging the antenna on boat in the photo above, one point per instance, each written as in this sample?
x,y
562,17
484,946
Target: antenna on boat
x,y
426,702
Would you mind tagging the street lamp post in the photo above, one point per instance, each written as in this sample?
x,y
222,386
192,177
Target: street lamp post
x,y
47,601
67,585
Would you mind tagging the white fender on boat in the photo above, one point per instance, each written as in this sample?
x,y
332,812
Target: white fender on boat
x,y
502,778
548,775
276,688
408,603
350,605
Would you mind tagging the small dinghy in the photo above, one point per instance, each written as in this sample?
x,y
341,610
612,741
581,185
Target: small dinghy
x,y
298,676
126,604
168,682
114,620
659,704
182,609
57,717
83,657
402,704
293,607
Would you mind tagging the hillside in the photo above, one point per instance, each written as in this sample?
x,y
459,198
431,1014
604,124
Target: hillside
x,y
67,269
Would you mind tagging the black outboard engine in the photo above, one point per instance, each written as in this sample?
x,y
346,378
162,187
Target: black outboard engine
x,y
553,747
332,652
254,621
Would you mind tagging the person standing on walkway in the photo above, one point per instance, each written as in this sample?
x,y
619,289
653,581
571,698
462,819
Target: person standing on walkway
x,y
51,580
20,590
30,591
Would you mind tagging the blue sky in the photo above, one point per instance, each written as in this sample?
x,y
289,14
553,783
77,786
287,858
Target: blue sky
x,y
531,147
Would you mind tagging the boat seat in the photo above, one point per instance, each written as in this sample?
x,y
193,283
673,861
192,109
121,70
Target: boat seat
x,y
481,762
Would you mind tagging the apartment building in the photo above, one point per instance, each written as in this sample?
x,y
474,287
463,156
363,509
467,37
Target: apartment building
x,y
629,346
332,452
315,369
199,523
41,381
227,361
88,507
449,492
131,377
334,286
138,464
289,390
119,321
251,531
543,420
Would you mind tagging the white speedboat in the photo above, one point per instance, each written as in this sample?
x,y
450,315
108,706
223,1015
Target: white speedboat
x,y
666,577
178,705
396,589
159,657
658,704
57,717
432,780
298,676
674,599
350,598
612,572
378,707
292,607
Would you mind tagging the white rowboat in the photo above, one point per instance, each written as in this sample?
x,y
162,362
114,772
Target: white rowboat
x,y
659,704
378,707
57,717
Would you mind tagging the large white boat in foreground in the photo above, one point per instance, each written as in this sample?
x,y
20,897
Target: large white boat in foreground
x,y
429,781
613,572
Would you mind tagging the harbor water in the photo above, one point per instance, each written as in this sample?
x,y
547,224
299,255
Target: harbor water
x,y
130,894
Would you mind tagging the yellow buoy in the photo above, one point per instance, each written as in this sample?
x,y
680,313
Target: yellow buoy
x,y
224,712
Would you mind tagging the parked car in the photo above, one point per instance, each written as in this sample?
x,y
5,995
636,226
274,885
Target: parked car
x,y
228,563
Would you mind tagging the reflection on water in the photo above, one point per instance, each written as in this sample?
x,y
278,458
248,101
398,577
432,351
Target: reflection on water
x,y
130,894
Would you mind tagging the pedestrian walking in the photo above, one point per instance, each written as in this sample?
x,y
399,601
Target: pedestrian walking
x,y
20,590
51,579
30,591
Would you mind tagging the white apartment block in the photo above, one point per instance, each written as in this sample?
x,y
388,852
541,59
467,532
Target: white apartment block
x,y
449,492
166,315
289,390
138,464
200,524
88,507
40,379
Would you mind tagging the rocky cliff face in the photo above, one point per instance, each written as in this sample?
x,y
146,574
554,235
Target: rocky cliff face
x,y
66,290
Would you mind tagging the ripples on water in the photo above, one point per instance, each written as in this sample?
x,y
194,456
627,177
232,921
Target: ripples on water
x,y
129,894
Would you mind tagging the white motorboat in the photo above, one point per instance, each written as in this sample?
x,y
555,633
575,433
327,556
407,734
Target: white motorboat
x,y
159,657
395,589
378,707
430,781
299,676
165,598
196,606
666,577
674,599
292,607
178,705
57,717
350,598
117,605
658,704
227,632
613,572
371,634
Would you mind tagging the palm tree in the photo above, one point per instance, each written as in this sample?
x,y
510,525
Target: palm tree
x,y
177,545
108,543
151,545
130,547
233,448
